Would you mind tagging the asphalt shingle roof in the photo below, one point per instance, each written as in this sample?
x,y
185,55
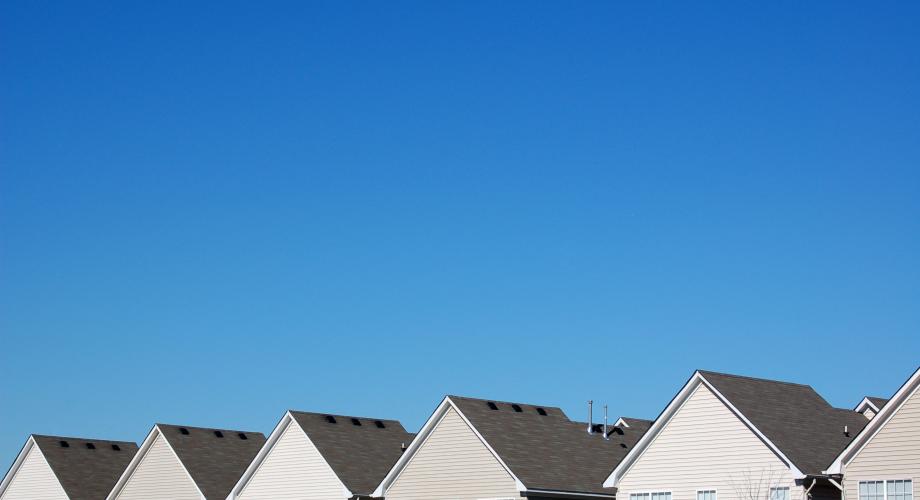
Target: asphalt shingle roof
x,y
878,402
86,473
214,463
805,427
550,452
360,455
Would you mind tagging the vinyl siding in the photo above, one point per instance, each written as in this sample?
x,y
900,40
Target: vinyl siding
x,y
34,480
453,464
893,453
704,447
159,476
293,470
869,413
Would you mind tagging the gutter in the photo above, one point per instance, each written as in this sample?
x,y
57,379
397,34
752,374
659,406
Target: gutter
x,y
565,495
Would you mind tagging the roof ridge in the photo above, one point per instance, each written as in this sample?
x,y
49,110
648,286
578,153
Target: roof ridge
x,y
158,424
759,379
503,402
79,438
343,416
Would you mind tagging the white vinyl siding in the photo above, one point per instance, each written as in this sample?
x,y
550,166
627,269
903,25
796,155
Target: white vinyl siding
x,y
452,464
293,469
707,447
869,413
893,453
34,480
159,475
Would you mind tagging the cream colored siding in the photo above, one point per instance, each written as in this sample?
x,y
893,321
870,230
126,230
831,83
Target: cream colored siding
x,y
869,413
293,470
159,476
453,464
34,480
893,453
706,447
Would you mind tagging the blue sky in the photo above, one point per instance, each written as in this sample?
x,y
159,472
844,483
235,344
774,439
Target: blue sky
x,y
210,213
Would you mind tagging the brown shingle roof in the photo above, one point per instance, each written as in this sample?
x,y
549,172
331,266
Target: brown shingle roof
x,y
86,473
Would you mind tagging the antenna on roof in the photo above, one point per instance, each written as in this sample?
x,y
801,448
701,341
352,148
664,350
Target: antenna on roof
x,y
606,436
590,416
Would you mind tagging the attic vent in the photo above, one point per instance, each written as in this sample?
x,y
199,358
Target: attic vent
x,y
90,446
492,406
183,431
355,421
516,408
541,411
379,424
64,444
116,447
330,419
219,434
622,445
243,436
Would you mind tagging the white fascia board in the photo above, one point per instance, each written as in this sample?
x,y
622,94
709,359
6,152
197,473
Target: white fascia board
x,y
877,423
20,458
420,439
865,403
620,423
139,456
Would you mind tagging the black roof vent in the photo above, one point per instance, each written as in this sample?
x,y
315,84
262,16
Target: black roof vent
x,y
330,419
90,446
379,424
516,408
115,447
183,431
219,434
492,406
242,435
355,421
64,444
597,428
541,411
623,445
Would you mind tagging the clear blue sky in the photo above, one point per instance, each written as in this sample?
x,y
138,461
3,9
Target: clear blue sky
x,y
212,213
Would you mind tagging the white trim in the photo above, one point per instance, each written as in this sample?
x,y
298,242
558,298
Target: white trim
x,y
866,403
139,456
672,409
17,464
423,435
286,421
620,423
876,424
704,490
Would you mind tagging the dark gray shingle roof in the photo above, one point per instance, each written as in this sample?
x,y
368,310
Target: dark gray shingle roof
x,y
550,452
84,473
360,455
808,430
878,402
214,463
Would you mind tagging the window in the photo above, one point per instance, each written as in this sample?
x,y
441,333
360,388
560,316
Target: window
x,y
871,490
638,496
886,490
900,490
662,495
706,495
781,493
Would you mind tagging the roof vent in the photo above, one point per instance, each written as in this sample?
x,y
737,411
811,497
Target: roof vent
x,y
846,431
115,447
64,444
183,431
402,446
219,434
355,421
516,408
622,445
330,419
541,411
598,428
379,424
492,406
90,446
242,435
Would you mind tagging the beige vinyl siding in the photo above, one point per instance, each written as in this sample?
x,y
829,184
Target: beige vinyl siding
x,y
34,480
869,413
706,447
293,470
159,476
893,453
453,464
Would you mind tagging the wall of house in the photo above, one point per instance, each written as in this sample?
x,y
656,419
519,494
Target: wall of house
x,y
706,447
453,464
893,453
34,480
293,469
159,475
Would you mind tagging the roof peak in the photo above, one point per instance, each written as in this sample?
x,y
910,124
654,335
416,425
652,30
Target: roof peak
x,y
757,379
78,438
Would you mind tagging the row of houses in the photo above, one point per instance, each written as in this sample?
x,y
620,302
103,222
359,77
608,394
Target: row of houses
x,y
722,437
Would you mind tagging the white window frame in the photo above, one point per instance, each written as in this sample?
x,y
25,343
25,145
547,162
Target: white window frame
x,y
715,493
884,486
787,489
650,493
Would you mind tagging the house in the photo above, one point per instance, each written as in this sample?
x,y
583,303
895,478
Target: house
x,y
481,449
883,461
187,463
727,437
323,457
66,468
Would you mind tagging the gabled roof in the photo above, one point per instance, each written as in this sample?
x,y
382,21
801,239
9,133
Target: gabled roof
x,y
543,452
871,402
793,420
214,463
360,455
878,422
86,468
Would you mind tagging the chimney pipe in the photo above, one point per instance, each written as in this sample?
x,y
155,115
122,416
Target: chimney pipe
x,y
590,416
846,431
606,436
